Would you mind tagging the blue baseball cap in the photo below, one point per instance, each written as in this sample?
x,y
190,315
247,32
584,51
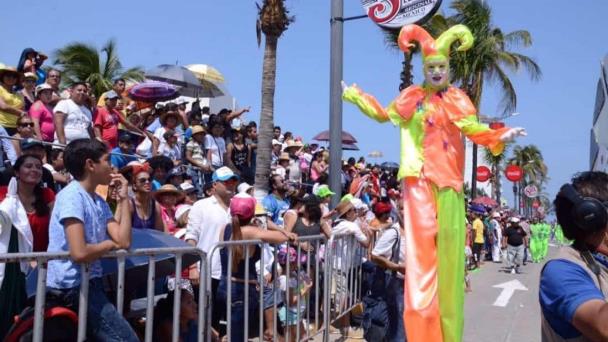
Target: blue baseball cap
x,y
224,173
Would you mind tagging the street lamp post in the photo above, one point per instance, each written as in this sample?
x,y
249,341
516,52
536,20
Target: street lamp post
x,y
335,99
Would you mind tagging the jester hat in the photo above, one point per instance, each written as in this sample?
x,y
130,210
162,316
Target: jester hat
x,y
435,48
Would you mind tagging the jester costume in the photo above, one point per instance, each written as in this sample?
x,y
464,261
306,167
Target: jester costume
x,y
431,118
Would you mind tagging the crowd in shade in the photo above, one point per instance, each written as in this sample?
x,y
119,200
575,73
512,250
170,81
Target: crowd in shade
x,y
189,173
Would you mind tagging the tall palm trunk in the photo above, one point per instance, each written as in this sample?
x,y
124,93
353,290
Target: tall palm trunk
x,y
264,152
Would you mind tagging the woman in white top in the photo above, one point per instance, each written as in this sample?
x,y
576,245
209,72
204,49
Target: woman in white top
x,y
216,146
72,117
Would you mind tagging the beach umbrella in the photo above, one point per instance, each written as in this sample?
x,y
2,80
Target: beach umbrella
x,y
153,91
350,147
206,72
486,201
347,138
175,75
389,166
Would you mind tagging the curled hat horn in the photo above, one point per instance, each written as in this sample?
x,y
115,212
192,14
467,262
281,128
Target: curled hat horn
x,y
412,33
454,33
430,46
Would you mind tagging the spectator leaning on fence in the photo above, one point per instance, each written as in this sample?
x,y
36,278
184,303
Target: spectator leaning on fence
x,y
145,211
82,223
242,210
206,219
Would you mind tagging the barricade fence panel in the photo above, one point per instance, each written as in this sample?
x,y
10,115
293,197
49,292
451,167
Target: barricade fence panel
x,y
293,291
169,254
297,290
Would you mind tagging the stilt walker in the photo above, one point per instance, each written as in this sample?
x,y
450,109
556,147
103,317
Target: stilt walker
x,y
431,118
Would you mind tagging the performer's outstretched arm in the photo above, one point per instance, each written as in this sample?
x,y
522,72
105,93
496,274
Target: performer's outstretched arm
x,y
398,111
462,113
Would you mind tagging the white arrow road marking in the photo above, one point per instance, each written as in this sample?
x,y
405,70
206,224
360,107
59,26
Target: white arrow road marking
x,y
508,289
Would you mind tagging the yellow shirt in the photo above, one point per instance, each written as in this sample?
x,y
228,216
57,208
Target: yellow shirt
x,y
478,228
13,100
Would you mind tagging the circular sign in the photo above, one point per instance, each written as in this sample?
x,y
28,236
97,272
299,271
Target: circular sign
x,y
483,173
514,173
397,13
497,125
531,191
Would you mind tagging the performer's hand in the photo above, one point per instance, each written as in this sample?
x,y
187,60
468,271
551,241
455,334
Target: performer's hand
x,y
512,134
346,87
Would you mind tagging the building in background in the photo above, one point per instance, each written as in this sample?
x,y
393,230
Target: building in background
x,y
598,151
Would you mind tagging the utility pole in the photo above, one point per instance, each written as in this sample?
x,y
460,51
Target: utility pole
x,y
335,99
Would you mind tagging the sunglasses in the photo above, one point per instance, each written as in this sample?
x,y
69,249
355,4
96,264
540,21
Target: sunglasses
x,y
230,181
30,124
54,76
143,180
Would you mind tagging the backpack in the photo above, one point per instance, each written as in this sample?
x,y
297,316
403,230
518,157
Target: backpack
x,y
375,319
375,315
60,324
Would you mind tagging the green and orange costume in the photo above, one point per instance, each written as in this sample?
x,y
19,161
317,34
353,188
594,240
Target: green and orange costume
x,y
432,122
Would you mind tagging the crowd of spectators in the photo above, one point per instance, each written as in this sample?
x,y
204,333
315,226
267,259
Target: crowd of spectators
x,y
189,172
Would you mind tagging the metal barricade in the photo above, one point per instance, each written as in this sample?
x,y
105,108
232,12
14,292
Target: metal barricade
x,y
345,273
42,259
330,277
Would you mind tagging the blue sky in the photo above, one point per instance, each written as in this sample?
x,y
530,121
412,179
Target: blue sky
x,y
557,111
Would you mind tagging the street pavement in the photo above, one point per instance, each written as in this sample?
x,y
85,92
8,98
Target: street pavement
x,y
506,313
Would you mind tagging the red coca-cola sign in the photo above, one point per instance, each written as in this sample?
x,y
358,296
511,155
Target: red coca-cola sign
x,y
497,125
514,173
483,173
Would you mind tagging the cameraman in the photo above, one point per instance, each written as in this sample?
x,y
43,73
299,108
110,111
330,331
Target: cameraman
x,y
574,285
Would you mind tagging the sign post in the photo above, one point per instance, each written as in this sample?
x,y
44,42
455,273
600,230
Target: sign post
x,y
397,13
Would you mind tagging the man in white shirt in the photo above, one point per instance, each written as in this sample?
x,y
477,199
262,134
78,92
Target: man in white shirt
x,y
205,221
389,255
73,120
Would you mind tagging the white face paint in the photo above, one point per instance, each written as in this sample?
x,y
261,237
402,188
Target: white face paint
x,y
437,73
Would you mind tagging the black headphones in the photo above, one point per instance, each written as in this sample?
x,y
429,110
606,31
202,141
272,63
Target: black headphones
x,y
588,213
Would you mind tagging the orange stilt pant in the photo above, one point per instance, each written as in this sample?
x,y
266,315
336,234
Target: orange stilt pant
x,y
421,313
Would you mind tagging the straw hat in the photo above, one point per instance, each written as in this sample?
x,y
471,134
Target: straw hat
x,y
284,156
197,129
343,207
168,189
30,75
5,69
296,145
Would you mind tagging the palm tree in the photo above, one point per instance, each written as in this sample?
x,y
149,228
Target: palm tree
x,y
489,60
495,163
83,63
273,20
530,160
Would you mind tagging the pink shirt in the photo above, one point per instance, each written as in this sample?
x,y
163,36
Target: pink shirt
x,y
44,114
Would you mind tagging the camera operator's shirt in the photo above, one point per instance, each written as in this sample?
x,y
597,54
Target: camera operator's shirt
x,y
564,287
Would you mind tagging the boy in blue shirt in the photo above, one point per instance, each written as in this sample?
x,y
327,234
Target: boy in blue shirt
x,y
82,223
120,157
